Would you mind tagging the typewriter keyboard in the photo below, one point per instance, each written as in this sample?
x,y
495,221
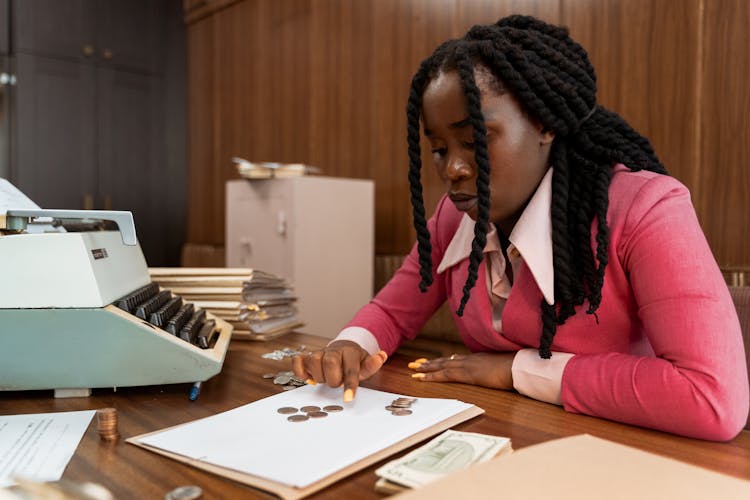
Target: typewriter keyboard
x,y
169,313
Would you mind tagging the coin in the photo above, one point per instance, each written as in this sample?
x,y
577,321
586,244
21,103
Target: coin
x,y
400,412
184,493
297,418
391,408
317,414
308,409
399,404
333,408
289,387
286,410
282,379
269,375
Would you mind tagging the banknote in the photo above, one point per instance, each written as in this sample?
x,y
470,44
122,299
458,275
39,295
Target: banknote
x,y
449,452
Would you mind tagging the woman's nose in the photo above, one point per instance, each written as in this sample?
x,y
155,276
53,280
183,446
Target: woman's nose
x,y
457,168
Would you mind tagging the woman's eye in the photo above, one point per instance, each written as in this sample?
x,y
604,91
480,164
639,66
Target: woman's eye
x,y
439,151
468,145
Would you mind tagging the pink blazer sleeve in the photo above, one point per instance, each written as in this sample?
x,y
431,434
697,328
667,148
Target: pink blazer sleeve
x,y
400,309
696,384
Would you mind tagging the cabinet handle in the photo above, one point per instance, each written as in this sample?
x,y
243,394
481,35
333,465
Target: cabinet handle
x,y
88,201
88,50
107,54
107,201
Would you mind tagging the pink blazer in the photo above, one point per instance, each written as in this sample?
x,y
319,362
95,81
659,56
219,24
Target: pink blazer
x,y
667,352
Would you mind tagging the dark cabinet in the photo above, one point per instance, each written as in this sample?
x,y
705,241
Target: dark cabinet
x,y
88,114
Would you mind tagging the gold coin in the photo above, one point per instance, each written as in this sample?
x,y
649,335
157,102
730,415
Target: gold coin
x,y
308,409
317,414
297,418
286,410
333,408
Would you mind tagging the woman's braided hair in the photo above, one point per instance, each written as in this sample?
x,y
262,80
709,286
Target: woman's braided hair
x,y
552,78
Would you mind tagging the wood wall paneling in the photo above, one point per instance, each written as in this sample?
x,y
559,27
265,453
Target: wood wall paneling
x,y
723,174
202,206
325,82
645,53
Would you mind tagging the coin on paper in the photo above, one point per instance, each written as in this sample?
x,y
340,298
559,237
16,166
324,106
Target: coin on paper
x,y
297,418
285,410
308,409
400,412
333,408
317,414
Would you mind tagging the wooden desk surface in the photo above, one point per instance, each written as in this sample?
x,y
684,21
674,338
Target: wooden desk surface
x,y
132,472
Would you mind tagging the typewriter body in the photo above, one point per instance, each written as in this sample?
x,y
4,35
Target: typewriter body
x,y
78,310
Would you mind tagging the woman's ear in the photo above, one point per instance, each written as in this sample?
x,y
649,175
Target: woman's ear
x,y
546,136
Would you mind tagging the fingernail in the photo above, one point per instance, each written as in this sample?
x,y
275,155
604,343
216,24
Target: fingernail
x,y
417,375
414,365
348,395
420,360
311,382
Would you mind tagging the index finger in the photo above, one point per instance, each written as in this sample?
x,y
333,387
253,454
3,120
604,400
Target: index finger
x,y
351,360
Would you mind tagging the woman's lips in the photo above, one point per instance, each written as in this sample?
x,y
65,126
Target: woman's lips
x,y
463,202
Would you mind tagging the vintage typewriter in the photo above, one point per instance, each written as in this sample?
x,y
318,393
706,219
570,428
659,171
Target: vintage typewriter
x,y
78,310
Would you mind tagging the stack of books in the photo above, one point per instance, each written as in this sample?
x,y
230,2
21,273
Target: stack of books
x,y
259,305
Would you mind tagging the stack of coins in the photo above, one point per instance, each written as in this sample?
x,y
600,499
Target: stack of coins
x,y
107,424
285,379
308,412
401,406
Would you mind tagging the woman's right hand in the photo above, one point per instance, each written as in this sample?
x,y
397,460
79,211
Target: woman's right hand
x,y
341,362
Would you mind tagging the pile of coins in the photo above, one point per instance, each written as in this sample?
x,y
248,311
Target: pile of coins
x,y
401,406
308,412
286,352
287,379
107,424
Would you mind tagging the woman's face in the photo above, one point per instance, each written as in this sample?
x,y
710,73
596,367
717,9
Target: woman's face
x,y
517,145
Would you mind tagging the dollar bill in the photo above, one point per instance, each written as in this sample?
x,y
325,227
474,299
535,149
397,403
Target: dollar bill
x,y
449,452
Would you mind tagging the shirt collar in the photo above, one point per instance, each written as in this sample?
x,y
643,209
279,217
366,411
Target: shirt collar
x,y
532,236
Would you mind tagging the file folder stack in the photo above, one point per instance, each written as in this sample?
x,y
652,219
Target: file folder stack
x,y
259,305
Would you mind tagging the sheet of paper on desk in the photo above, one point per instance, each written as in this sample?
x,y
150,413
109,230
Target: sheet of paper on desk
x,y
39,446
256,439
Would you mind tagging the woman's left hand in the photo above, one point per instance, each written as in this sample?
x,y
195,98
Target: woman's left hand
x,y
486,369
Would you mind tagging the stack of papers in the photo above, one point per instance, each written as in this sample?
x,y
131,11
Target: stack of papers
x,y
259,305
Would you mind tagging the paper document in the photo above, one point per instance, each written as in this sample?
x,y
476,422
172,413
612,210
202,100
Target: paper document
x,y
258,439
12,197
39,446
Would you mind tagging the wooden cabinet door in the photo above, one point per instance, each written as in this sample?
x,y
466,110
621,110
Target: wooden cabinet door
x,y
131,153
4,26
129,34
58,28
53,131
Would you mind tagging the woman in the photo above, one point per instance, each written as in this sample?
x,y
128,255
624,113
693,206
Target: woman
x,y
576,267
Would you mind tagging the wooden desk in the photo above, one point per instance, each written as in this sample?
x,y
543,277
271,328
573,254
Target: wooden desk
x,y
131,472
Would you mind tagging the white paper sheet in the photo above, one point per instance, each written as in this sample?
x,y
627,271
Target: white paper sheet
x,y
256,439
12,198
39,446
